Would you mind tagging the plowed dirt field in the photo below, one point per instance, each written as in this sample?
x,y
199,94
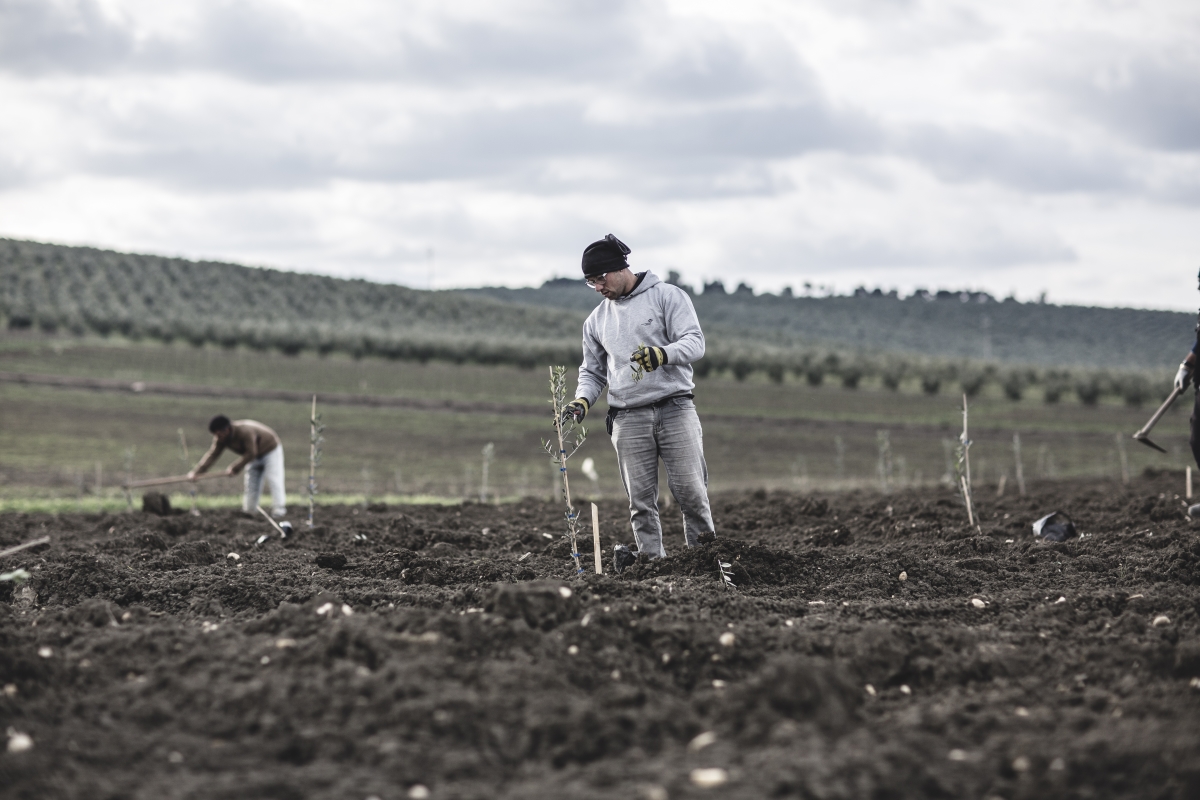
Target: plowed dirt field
x,y
875,647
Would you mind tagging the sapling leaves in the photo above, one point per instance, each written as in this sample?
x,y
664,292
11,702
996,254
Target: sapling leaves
x,y
17,577
725,568
638,371
569,437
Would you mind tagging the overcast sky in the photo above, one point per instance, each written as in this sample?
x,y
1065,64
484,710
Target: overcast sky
x,y
1015,147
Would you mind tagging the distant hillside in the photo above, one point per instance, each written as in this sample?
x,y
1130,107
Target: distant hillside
x,y
942,325
79,289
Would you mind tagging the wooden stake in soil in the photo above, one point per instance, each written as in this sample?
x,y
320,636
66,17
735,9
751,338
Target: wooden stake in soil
x,y
1020,469
183,454
129,452
1003,482
596,537
489,451
1124,458
1189,483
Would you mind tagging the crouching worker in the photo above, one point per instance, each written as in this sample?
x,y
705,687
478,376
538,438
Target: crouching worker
x,y
641,342
261,454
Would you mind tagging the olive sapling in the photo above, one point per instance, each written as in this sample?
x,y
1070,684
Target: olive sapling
x,y
569,437
726,570
315,440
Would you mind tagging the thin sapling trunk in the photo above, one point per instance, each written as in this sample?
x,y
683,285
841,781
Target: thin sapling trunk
x,y
315,440
569,436
964,466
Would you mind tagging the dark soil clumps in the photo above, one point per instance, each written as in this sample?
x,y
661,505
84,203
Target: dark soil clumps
x,y
874,647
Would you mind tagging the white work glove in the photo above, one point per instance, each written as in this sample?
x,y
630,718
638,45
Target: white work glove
x,y
1181,377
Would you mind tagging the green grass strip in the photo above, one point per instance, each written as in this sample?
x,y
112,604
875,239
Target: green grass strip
x,y
95,505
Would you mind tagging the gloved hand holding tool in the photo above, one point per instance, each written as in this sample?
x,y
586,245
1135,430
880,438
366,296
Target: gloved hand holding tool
x,y
649,358
1183,376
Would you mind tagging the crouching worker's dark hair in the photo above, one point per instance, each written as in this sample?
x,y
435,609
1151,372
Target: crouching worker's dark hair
x,y
218,423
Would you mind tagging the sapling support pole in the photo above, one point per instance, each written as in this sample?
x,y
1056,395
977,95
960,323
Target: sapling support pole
x,y
129,453
186,462
596,538
1020,467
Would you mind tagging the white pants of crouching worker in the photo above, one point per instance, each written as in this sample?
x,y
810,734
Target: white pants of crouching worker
x,y
270,468
671,432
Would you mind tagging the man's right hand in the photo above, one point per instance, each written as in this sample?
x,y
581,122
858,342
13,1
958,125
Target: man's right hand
x,y
577,409
1183,376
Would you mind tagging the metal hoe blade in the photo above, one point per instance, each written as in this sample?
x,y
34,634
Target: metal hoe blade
x,y
1146,441
1143,435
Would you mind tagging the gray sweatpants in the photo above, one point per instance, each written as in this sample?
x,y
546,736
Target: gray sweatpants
x,y
643,435
270,469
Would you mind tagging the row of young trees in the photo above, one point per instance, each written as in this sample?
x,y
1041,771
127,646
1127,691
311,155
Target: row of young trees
x,y
892,372
82,290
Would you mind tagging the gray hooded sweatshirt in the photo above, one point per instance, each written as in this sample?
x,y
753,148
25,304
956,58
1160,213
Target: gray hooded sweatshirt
x,y
654,314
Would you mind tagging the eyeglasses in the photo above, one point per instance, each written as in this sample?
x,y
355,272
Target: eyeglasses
x,y
592,280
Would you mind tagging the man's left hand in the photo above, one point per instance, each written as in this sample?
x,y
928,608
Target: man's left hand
x,y
649,358
230,471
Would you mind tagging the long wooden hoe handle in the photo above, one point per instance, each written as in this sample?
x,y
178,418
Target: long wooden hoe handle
x,y
172,479
22,546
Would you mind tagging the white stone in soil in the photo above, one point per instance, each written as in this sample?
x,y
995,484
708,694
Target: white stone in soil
x,y
19,742
709,777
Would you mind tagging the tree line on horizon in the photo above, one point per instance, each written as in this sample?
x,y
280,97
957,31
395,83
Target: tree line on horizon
x,y
934,341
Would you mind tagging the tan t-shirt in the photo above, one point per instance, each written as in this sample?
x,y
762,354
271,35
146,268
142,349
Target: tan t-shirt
x,y
248,438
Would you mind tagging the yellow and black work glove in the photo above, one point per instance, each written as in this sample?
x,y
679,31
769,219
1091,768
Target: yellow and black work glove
x,y
649,358
576,409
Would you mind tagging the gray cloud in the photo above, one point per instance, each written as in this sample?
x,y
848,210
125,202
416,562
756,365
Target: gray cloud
x,y
719,151
1154,100
989,248
49,36
1019,159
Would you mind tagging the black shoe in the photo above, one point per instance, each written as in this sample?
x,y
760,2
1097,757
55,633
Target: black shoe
x,y
623,557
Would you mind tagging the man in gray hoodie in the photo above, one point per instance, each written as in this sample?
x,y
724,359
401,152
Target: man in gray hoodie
x,y
641,342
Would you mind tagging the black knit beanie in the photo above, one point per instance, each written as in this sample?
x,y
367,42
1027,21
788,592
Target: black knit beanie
x,y
606,255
